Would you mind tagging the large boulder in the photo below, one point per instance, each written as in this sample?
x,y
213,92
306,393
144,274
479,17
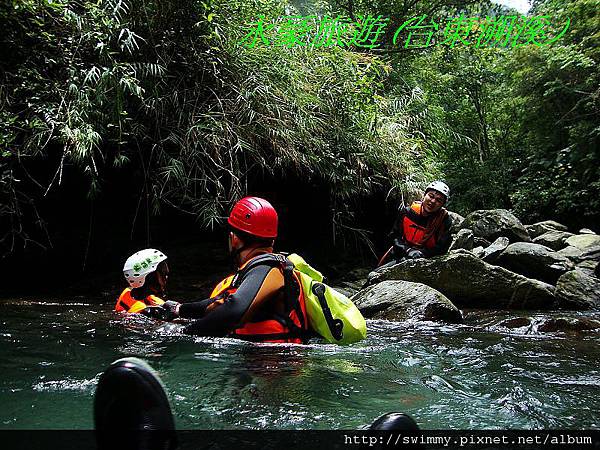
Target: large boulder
x,y
578,290
534,261
403,300
556,240
586,231
493,223
491,253
470,282
539,228
463,239
457,220
584,241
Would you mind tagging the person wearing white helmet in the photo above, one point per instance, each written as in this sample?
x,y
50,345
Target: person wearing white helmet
x,y
421,230
147,273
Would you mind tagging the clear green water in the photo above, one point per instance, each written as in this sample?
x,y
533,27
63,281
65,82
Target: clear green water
x,y
461,376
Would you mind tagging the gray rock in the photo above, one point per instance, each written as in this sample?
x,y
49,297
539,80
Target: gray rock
x,y
565,324
493,223
534,261
586,231
578,290
556,240
470,282
403,300
590,267
590,253
539,228
491,253
584,241
573,253
479,241
457,220
463,239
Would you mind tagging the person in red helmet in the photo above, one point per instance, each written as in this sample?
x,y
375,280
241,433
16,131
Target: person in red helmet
x,y
254,303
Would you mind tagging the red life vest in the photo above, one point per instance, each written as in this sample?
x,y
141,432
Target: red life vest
x,y
290,328
418,235
127,303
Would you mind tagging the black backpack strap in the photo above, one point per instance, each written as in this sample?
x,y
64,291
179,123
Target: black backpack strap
x,y
336,326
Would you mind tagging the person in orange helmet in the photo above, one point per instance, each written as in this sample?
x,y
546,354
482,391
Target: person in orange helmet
x,y
255,303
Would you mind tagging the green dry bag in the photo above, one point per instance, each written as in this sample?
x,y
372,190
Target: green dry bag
x,y
330,313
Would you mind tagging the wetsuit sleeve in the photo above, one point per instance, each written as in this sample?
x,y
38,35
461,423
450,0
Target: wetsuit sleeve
x,y
257,285
195,310
398,228
443,242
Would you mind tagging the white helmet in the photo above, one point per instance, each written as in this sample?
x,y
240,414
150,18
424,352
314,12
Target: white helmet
x,y
141,264
441,187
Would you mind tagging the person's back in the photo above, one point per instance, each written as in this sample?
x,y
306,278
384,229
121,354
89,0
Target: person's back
x,y
255,303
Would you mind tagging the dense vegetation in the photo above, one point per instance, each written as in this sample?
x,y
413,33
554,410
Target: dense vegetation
x,y
162,92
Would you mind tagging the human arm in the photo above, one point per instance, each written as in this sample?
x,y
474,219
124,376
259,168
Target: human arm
x,y
221,317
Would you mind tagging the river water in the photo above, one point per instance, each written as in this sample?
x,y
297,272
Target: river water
x,y
470,376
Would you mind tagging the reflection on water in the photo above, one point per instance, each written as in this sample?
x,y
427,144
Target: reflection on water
x,y
476,375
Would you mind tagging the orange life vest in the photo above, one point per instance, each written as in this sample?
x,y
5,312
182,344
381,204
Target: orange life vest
x,y
289,329
418,235
127,303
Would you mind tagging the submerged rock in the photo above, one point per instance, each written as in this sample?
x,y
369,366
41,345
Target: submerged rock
x,y
568,324
493,223
556,240
470,282
539,228
534,261
578,290
516,322
463,239
402,300
584,241
491,253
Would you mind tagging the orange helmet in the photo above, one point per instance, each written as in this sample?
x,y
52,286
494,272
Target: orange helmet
x,y
255,216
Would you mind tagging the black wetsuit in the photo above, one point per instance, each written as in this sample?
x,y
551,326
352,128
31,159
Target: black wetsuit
x,y
259,296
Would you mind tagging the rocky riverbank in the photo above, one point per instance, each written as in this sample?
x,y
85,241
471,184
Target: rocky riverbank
x,y
495,262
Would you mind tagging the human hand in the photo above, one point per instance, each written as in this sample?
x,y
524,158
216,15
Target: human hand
x,y
414,253
167,311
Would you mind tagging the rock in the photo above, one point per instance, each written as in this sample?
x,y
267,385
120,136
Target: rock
x,y
590,253
534,261
556,240
578,290
586,231
403,300
589,267
539,228
457,220
516,322
573,253
584,241
491,253
470,282
493,223
568,324
463,239
479,241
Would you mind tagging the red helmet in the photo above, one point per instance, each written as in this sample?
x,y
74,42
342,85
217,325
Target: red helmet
x,y
255,216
